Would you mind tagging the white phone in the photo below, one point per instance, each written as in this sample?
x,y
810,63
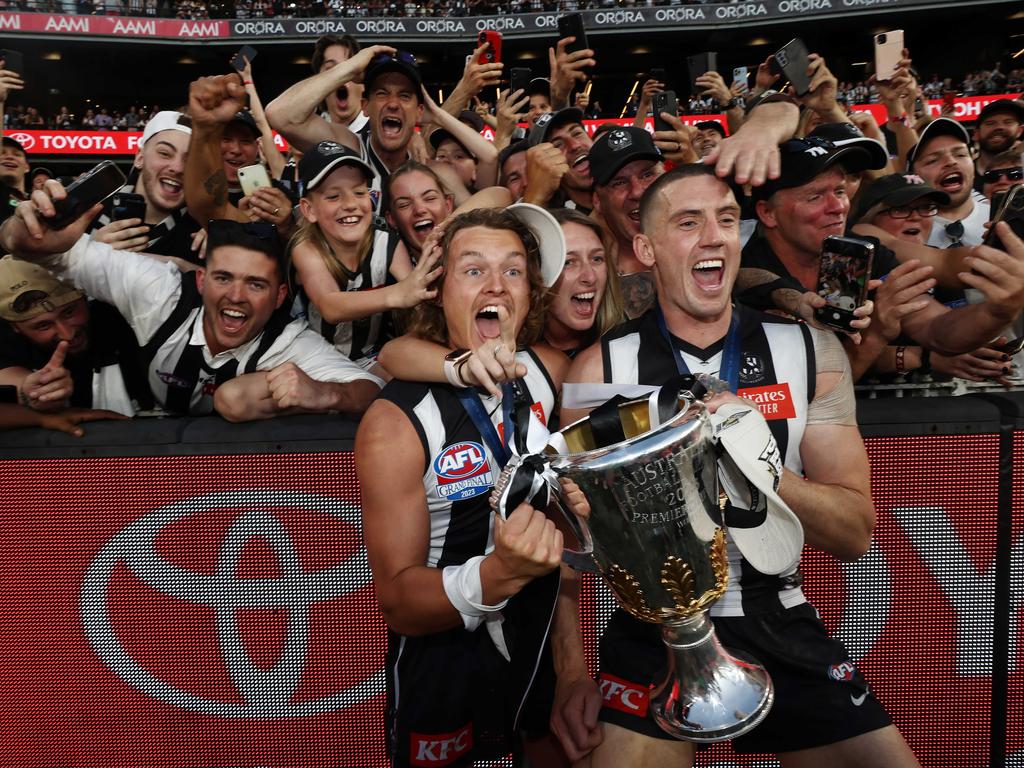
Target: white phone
x,y
741,75
252,177
888,52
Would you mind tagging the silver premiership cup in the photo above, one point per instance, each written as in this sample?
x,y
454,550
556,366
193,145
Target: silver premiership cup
x,y
651,534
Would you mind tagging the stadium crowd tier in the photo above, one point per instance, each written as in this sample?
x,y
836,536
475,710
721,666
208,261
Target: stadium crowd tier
x,y
464,276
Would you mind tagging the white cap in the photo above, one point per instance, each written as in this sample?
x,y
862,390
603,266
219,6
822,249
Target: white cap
x,y
166,121
549,236
762,525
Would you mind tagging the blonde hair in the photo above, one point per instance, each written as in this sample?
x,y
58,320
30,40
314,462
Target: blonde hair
x,y
311,232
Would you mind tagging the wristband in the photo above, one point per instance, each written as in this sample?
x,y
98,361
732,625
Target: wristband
x,y
466,593
453,363
901,367
903,119
247,82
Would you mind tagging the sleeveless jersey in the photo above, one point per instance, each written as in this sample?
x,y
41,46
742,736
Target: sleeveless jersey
x,y
777,371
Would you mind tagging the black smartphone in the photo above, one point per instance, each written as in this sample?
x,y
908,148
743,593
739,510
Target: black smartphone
x,y
791,62
843,279
93,187
571,25
245,53
1011,211
127,205
659,74
664,102
520,79
1012,347
14,61
699,64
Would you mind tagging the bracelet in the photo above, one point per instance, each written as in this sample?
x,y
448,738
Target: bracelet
x,y
247,82
901,368
900,119
453,363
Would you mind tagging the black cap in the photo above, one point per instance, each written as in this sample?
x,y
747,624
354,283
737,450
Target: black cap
x,y
42,169
317,163
848,135
402,62
896,190
9,142
467,116
1003,106
549,121
617,147
940,126
512,149
244,117
806,159
539,86
710,125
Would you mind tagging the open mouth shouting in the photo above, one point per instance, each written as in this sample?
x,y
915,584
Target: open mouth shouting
x,y
422,228
488,325
583,304
580,165
952,183
391,127
341,97
169,187
232,320
709,274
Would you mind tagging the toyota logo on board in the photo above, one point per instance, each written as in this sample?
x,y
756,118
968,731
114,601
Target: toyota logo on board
x,y
26,140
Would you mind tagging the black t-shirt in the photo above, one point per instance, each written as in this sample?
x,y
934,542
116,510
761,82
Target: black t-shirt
x,y
759,254
111,342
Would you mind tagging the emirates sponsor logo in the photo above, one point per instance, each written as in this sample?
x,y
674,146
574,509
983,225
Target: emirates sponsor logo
x,y
440,749
623,695
774,401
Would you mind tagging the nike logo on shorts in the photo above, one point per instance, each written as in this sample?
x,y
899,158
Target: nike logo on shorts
x,y
858,700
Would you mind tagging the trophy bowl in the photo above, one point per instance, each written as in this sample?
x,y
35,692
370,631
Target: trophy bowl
x,y
652,534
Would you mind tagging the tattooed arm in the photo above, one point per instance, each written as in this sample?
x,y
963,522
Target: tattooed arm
x,y
213,101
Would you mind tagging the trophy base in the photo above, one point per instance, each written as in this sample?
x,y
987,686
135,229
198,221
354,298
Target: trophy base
x,y
709,694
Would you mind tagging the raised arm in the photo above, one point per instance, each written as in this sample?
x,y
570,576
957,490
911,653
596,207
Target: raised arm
x,y
293,113
752,153
275,160
485,152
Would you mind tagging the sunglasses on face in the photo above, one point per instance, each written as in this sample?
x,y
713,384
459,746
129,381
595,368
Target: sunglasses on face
x,y
1011,174
904,211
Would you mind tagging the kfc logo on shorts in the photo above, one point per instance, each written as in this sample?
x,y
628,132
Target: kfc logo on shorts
x,y
462,471
428,749
623,695
774,401
842,672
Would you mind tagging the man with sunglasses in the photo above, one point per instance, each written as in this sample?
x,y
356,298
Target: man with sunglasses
x,y
942,157
219,339
1005,171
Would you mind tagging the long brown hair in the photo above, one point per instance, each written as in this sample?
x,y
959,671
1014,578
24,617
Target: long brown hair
x,y
428,321
610,311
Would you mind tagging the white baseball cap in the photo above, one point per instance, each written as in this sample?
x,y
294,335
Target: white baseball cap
x,y
549,236
166,121
766,531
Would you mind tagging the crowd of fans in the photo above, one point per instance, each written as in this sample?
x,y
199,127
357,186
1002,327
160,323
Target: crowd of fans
x,y
437,280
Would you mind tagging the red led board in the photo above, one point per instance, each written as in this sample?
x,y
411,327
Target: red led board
x,y
217,610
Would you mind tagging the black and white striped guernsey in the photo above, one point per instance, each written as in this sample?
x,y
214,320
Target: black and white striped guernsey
x,y
777,370
360,340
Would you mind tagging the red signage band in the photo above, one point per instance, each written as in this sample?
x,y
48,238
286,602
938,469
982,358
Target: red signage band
x,y
100,143
113,26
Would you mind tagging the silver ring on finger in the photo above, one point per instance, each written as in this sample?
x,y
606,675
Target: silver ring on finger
x,y
497,349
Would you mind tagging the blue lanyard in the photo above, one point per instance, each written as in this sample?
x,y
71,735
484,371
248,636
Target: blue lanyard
x,y
476,412
729,371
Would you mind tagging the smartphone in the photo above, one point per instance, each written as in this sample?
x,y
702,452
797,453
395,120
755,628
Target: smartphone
x,y
659,74
843,279
699,64
1012,347
1010,210
741,75
93,187
520,79
245,53
14,61
127,205
888,52
493,54
791,62
664,102
571,25
252,177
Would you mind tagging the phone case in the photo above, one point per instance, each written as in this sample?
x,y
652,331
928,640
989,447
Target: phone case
x,y
94,187
521,79
664,102
493,54
791,61
252,177
842,279
888,52
571,25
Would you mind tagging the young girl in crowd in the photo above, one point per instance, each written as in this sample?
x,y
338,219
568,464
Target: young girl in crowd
x,y
583,304
350,274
